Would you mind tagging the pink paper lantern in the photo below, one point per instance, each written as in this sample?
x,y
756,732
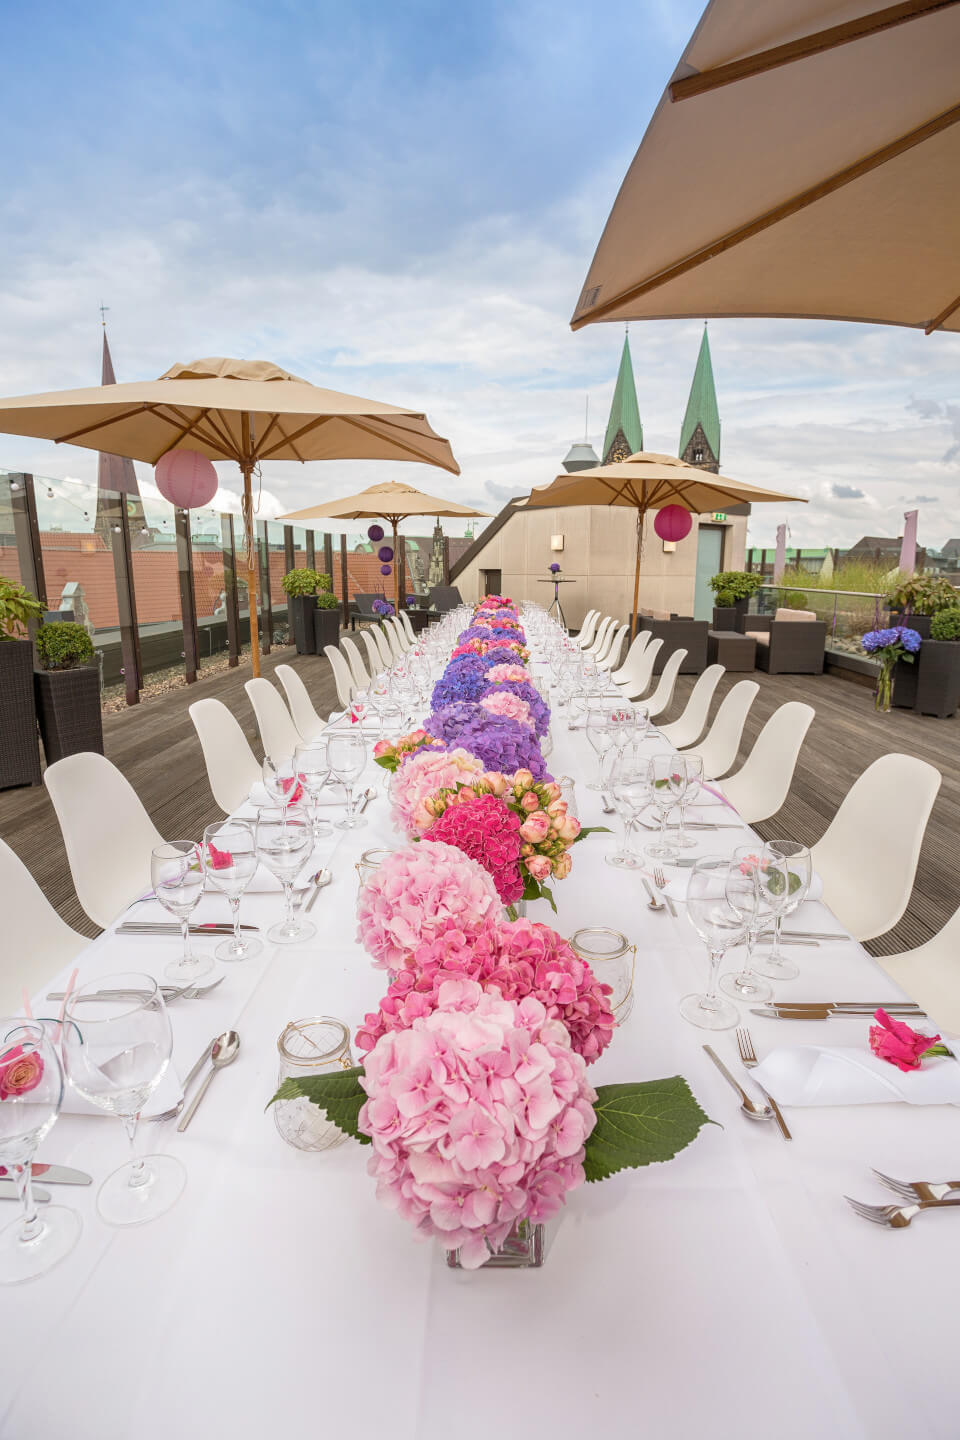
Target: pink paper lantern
x,y
673,522
186,478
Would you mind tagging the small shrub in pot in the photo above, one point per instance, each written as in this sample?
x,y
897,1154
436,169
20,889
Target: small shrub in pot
x,y
67,691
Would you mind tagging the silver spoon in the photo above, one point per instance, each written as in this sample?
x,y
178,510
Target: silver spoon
x,y
323,880
225,1049
748,1106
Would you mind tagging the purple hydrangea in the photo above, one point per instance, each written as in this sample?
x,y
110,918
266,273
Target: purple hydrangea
x,y
500,655
382,607
539,709
459,684
901,635
497,742
555,568
495,632
474,632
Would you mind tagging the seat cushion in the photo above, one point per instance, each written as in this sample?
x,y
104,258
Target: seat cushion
x,y
762,637
785,614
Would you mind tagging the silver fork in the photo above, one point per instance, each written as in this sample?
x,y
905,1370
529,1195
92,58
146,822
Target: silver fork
x,y
748,1058
896,1216
660,880
911,1190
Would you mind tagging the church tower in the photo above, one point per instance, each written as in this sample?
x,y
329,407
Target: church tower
x,y
700,432
624,431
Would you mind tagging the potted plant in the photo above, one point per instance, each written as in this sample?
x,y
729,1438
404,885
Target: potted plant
x,y
938,674
732,590
19,751
67,688
917,599
326,618
301,587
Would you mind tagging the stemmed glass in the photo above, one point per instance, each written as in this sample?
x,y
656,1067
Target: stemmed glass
x,y
178,879
348,757
666,781
280,779
313,767
31,1093
230,862
641,722
719,926
116,1050
630,793
691,769
284,840
799,868
602,734
755,885
391,722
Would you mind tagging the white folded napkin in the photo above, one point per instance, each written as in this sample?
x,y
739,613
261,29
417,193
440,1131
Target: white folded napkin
x,y
818,1075
330,795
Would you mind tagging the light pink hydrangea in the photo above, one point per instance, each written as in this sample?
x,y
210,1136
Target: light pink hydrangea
x,y
417,895
424,773
504,702
478,1115
508,674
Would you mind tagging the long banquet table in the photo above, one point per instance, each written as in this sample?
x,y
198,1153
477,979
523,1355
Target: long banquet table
x,y
731,1292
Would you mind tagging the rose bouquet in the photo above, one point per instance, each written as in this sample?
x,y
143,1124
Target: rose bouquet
x,y
424,772
391,756
416,896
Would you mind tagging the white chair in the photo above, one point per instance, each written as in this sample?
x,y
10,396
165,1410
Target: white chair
x,y
401,634
278,734
387,656
355,661
232,767
687,729
341,675
867,857
640,683
305,717
762,784
588,629
931,975
637,646
373,652
604,628
662,698
611,651
719,748
407,624
107,833
36,942
393,639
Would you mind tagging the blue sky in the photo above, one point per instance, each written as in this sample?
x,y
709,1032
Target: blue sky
x,y
402,202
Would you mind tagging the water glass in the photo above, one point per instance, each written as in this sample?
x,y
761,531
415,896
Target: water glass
x,y
612,959
601,733
116,1050
630,792
690,769
31,1093
719,926
799,868
177,875
313,767
230,863
666,779
756,882
280,779
318,1046
284,841
348,758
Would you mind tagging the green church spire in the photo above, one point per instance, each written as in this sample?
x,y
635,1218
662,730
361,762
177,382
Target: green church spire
x,y
700,432
624,431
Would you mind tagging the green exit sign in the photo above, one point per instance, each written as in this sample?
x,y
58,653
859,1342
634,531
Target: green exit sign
x,y
719,515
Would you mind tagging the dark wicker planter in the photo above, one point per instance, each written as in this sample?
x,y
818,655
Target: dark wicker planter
x,y
301,610
920,623
19,748
326,628
68,708
938,678
905,675
727,617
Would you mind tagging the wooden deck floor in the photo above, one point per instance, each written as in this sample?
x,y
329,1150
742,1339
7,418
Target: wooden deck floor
x,y
156,747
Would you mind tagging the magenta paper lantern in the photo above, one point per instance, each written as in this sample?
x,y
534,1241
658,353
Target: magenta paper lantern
x,y
385,570
186,478
375,533
673,522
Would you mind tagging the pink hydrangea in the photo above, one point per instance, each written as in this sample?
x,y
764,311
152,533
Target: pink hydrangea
x,y
507,674
517,958
504,702
478,1115
417,894
485,828
424,773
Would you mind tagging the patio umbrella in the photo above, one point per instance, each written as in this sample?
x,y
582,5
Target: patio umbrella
x,y
648,481
389,500
803,161
243,410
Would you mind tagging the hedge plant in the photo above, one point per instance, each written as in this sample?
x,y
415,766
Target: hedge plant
x,y
945,625
326,600
63,645
729,586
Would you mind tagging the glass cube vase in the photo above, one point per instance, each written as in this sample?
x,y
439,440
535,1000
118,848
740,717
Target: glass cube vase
x,y
523,1249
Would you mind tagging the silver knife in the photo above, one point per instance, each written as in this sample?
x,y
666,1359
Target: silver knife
x,y
55,1174
858,1005
8,1191
786,1012
160,927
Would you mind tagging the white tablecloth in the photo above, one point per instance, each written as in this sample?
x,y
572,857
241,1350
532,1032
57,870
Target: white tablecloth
x,y
729,1293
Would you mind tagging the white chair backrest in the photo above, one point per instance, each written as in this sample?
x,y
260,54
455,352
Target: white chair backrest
x,y
662,698
588,629
760,787
278,734
107,833
232,767
719,747
394,622
341,675
610,655
305,717
690,726
603,628
387,656
639,683
867,857
355,661
931,975
393,638
407,624
629,667
36,942
373,651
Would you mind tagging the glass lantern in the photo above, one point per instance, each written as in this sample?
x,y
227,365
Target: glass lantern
x,y
318,1046
612,959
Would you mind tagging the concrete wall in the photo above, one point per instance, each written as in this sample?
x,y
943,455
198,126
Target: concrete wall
x,y
599,553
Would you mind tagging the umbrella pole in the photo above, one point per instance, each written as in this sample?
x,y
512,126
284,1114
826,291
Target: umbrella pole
x,y
246,465
396,571
641,516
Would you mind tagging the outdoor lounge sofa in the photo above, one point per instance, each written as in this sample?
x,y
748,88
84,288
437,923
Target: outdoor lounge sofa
x,y
790,643
676,633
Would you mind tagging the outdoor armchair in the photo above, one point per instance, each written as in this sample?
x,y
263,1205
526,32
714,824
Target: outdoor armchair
x,y
791,643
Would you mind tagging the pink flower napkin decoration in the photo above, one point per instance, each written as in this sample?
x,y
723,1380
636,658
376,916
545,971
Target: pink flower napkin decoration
x,y
895,1042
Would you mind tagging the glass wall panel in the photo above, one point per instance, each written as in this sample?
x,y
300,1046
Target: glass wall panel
x,y
209,583
9,559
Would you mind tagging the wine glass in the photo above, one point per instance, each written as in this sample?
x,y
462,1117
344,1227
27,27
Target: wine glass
x,y
177,875
230,862
391,722
630,793
284,840
799,868
280,779
641,722
31,1093
719,926
348,758
691,771
666,779
756,882
601,732
313,766
116,1050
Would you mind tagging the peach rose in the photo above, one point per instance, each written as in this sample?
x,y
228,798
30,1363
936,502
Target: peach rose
x,y
529,802
536,827
539,867
568,829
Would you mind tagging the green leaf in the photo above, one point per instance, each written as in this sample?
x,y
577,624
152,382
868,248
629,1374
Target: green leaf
x,y
535,890
340,1095
641,1124
591,830
388,762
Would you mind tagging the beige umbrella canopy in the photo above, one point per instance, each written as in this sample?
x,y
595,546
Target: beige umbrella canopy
x,y
389,500
648,481
243,410
803,161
